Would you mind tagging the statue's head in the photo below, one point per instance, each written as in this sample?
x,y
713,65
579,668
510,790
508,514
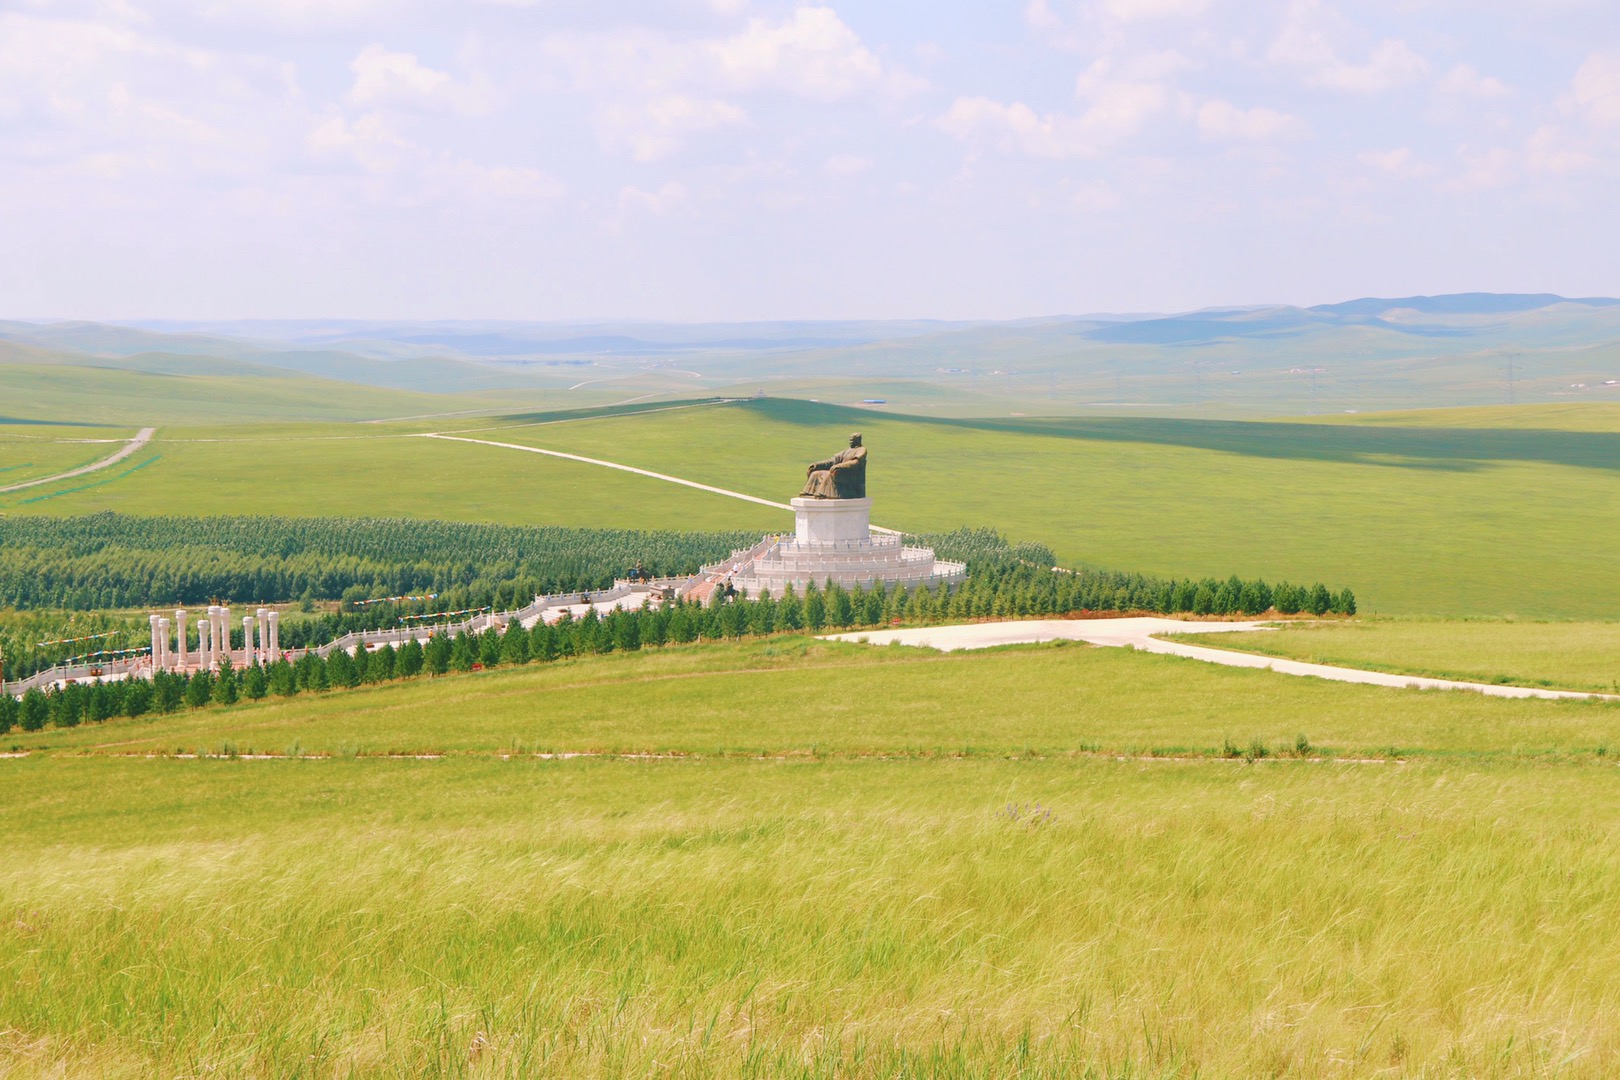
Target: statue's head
x,y
855,440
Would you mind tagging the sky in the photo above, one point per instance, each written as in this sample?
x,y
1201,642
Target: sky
x,y
696,160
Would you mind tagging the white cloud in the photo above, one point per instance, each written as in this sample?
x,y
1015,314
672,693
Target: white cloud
x,y
1595,92
298,15
1483,169
811,53
1113,109
1018,127
369,141
1400,161
495,181
1095,198
120,93
653,202
387,78
1305,45
655,91
1131,10
654,129
1465,81
1550,151
1039,15
1223,120
845,165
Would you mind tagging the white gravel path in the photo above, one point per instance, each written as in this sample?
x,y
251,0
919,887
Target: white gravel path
x,y
1138,633
629,469
141,438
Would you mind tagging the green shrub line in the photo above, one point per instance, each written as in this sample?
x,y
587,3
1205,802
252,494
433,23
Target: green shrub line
x,y
111,559
1005,587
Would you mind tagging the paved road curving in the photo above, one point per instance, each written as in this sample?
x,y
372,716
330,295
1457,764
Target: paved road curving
x,y
1139,632
141,438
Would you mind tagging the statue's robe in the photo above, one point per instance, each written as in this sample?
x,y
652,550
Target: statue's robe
x,y
841,477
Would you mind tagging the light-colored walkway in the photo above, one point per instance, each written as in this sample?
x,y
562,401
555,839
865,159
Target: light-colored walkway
x,y
141,438
1139,632
629,469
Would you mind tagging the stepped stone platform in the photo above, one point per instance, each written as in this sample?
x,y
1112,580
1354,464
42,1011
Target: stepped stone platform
x,y
833,541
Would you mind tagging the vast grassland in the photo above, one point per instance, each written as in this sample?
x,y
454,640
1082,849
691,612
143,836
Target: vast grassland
x,y
62,393
867,863
1422,521
378,470
797,696
1417,520
1570,656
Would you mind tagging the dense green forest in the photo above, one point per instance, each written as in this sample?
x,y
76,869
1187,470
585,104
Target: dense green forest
x,y
114,560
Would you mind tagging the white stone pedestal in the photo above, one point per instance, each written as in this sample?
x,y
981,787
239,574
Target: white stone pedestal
x,y
838,522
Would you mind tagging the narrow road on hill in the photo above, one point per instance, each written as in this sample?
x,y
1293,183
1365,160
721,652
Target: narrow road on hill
x,y
141,438
1139,634
629,469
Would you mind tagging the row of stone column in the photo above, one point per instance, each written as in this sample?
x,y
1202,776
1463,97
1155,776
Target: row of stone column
x,y
214,640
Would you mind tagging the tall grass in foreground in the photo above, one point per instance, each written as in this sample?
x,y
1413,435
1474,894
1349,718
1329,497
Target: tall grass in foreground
x,y
478,918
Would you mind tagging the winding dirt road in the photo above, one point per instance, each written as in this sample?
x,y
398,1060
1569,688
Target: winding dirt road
x,y
141,438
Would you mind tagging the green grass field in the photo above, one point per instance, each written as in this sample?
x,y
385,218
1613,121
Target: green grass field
x,y
29,452
831,698
376,470
1417,520
880,862
1569,656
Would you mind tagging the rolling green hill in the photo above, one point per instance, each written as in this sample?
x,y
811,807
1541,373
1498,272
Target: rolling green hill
x,y
1370,354
1441,518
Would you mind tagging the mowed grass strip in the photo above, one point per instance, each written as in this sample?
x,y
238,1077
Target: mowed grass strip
x,y
799,696
778,919
1565,656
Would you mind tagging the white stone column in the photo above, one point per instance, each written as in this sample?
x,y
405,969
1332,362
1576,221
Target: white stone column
x,y
275,636
180,636
247,641
163,658
157,645
261,617
205,630
219,635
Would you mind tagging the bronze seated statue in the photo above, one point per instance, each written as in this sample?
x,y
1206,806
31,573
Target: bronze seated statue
x,y
842,476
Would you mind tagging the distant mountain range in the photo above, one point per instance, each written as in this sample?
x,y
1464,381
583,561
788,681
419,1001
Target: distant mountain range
x,y
269,341
1416,351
